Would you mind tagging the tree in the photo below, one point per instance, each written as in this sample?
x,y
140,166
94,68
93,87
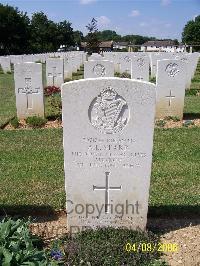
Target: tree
x,y
65,33
78,37
108,35
14,31
92,37
43,34
191,32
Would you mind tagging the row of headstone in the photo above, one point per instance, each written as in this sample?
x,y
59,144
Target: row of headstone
x,y
6,61
29,85
108,163
170,85
137,64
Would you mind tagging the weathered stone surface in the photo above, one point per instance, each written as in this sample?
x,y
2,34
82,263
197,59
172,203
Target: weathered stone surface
x,y
55,72
29,89
108,128
170,88
98,69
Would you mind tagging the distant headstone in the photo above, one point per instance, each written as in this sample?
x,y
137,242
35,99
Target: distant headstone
x,y
107,162
55,72
95,57
170,88
140,68
125,63
29,89
5,64
67,68
98,69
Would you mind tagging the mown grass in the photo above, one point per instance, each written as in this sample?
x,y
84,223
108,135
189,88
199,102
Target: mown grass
x,y
31,169
32,175
195,84
7,98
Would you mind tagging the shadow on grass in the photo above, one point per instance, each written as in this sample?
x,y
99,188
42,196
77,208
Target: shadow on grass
x,y
191,116
28,210
174,211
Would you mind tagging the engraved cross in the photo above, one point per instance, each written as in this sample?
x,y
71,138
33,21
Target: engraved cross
x,y
170,97
107,188
28,90
54,74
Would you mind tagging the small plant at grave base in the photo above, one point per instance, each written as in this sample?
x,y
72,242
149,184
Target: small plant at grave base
x,y
153,79
173,118
160,123
188,123
109,246
18,246
125,75
56,252
74,74
67,80
14,122
36,121
117,74
49,90
8,72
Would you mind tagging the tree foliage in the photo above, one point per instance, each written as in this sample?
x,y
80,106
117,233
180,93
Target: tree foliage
x,y
191,32
19,34
92,38
14,30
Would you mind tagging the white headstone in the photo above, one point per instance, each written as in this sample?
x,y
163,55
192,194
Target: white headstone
x,y
5,64
98,69
125,63
95,57
68,68
55,72
108,128
29,89
170,88
140,68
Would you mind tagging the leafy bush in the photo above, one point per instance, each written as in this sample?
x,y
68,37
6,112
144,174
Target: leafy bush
x,y
107,246
17,245
36,121
49,90
14,122
55,106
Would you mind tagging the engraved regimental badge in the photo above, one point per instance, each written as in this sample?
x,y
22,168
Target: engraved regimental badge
x,y
99,70
140,62
108,112
172,69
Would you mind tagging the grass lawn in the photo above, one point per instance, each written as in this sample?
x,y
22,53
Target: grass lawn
x,y
32,175
7,98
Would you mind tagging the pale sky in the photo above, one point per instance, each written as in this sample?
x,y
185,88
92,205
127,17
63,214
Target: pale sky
x,y
157,18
